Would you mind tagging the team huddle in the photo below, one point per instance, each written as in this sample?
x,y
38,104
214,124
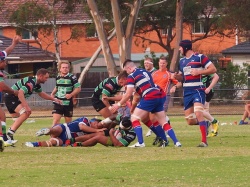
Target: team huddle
x,y
133,97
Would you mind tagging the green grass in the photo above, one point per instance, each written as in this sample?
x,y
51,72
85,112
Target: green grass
x,y
226,162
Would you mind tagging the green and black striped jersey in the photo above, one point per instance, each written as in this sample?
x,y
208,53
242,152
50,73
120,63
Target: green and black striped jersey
x,y
66,85
28,85
207,79
108,86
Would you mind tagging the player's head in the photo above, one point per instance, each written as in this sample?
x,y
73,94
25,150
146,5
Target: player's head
x,y
42,75
148,64
3,62
185,45
125,124
94,123
64,67
122,78
129,66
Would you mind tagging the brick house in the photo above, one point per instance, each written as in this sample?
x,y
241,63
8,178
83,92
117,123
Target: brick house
x,y
86,46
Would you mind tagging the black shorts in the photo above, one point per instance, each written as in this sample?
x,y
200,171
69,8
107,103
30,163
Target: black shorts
x,y
11,102
66,111
98,104
209,96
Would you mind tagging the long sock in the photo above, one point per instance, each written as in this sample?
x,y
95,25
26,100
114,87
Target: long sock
x,y
150,125
167,128
159,131
10,133
203,129
36,144
138,130
4,131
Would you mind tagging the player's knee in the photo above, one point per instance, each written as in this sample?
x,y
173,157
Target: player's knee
x,y
191,119
135,117
22,111
198,109
54,142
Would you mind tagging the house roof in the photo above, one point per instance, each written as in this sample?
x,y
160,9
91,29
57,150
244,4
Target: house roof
x,y
78,16
242,48
25,52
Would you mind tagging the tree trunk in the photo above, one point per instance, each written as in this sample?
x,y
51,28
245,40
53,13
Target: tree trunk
x,y
92,60
179,28
108,56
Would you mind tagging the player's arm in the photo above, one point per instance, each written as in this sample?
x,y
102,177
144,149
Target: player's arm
x,y
213,82
74,93
125,98
173,89
15,41
114,140
53,93
5,88
49,97
86,128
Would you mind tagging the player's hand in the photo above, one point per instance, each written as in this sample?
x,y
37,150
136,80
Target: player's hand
x,y
207,90
57,101
68,96
100,130
111,131
194,72
17,39
173,89
114,108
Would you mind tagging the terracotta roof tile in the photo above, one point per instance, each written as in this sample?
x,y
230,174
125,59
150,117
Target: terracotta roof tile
x,y
77,17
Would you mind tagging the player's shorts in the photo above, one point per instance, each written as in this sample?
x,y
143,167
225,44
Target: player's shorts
x,y
66,132
152,105
11,102
109,142
64,110
209,96
98,104
192,96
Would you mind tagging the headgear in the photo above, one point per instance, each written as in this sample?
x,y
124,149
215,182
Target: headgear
x,y
186,45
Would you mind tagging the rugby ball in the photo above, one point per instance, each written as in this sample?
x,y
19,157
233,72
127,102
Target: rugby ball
x,y
117,134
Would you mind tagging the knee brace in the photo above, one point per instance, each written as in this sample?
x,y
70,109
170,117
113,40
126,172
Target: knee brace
x,y
22,111
198,109
55,139
135,117
191,116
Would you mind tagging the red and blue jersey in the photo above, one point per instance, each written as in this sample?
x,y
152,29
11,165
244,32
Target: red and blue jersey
x,y
72,129
143,83
196,61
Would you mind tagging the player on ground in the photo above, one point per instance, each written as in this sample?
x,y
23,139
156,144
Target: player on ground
x,y
62,132
120,137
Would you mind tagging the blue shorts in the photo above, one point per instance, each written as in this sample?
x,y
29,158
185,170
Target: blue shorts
x,y
192,96
152,105
71,130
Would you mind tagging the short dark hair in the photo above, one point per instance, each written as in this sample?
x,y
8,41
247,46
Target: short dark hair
x,y
122,74
126,122
125,62
42,71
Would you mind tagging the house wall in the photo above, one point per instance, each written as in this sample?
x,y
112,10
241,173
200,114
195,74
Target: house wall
x,y
85,47
240,59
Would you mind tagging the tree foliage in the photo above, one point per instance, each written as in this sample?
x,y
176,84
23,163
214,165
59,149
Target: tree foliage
x,y
233,79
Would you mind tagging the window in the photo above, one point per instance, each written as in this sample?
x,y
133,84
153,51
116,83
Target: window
x,y
27,34
198,27
91,31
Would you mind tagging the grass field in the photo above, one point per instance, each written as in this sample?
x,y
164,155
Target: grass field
x,y
226,162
